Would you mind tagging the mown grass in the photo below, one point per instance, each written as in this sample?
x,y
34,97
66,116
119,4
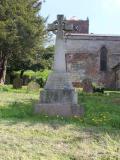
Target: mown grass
x,y
101,110
25,136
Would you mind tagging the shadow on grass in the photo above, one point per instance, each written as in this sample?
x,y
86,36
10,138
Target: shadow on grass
x,y
18,112
104,114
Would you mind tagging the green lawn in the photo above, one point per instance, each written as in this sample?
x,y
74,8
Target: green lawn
x,y
24,136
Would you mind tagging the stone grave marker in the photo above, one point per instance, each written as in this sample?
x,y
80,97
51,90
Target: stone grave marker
x,y
59,96
17,83
87,85
33,86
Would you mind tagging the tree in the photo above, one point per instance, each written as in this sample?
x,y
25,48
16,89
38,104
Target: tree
x,y
44,59
22,31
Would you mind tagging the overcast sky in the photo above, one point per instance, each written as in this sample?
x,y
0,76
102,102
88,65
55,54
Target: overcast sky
x,y
104,15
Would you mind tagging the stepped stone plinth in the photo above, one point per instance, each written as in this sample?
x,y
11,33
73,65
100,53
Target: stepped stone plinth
x,y
59,96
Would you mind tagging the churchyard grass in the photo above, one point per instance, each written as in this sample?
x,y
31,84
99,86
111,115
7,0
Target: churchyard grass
x,y
25,136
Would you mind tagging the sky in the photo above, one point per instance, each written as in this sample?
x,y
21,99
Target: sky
x,y
104,15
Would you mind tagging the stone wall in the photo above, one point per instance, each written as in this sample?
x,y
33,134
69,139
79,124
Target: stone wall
x,y
116,71
118,79
83,58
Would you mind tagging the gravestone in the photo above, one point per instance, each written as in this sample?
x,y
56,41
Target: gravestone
x,y
58,96
87,85
17,83
7,79
33,86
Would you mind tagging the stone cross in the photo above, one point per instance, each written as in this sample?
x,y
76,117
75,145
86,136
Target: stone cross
x,y
59,27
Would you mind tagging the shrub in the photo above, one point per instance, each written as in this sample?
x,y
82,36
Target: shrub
x,y
39,76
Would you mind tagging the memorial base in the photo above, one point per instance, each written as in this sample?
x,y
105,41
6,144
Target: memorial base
x,y
55,109
59,97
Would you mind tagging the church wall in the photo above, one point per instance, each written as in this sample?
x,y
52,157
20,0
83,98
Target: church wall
x,y
79,26
118,79
83,58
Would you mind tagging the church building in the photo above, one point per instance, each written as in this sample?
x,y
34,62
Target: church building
x,y
92,56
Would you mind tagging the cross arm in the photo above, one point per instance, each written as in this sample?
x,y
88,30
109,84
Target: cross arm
x,y
68,27
52,27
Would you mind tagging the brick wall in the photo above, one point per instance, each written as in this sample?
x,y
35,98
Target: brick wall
x,y
80,26
83,59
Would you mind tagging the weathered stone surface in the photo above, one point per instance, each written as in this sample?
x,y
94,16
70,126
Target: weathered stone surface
x,y
17,83
59,27
83,57
87,86
64,109
59,80
116,71
118,79
59,97
33,86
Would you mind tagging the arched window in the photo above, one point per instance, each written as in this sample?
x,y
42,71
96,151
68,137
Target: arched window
x,y
103,59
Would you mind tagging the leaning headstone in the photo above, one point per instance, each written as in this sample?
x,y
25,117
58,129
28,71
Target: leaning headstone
x,y
26,80
33,86
87,85
17,83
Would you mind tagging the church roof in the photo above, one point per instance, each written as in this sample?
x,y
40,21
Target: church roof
x,y
109,37
92,34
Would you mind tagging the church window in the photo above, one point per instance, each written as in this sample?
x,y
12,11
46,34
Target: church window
x,y
103,59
